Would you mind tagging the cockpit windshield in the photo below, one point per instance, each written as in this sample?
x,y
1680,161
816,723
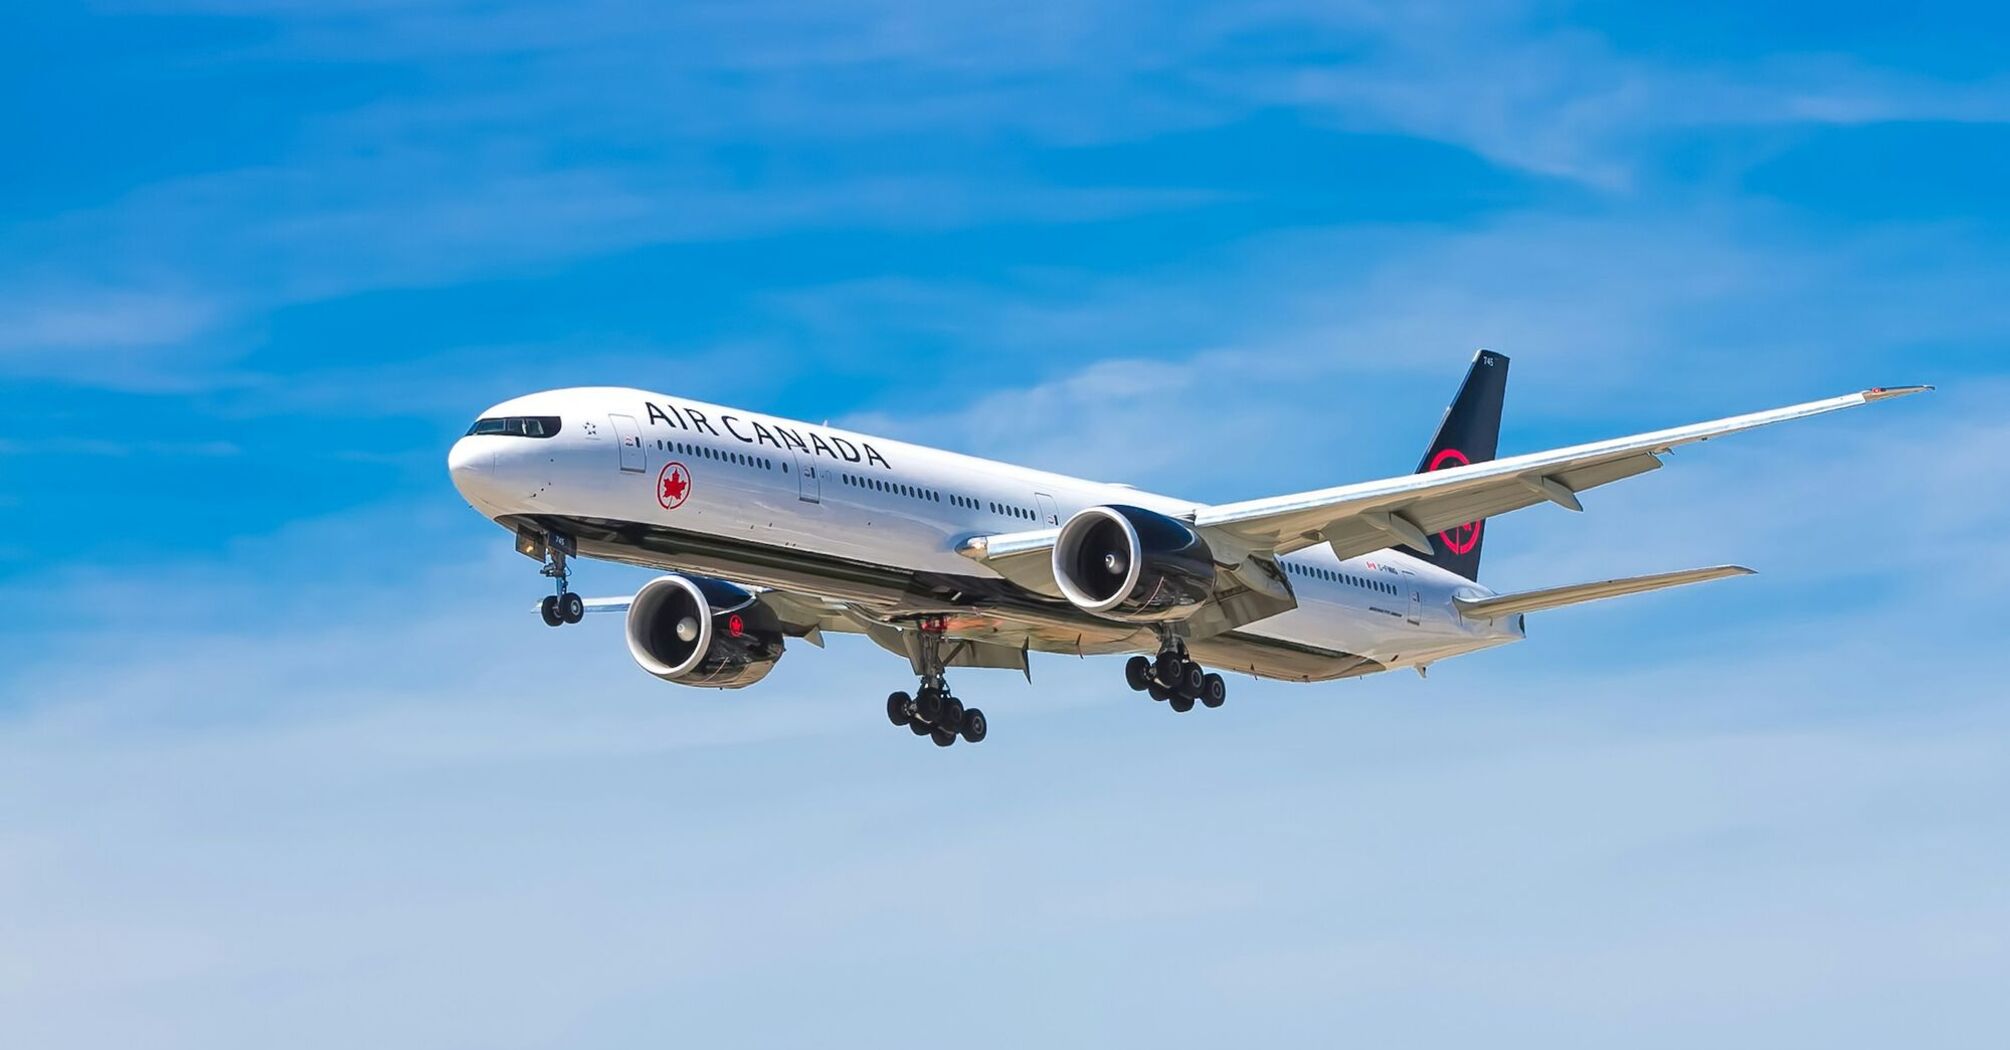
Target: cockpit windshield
x,y
516,426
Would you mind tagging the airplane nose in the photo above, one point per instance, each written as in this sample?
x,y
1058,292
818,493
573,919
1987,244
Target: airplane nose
x,y
468,458
471,463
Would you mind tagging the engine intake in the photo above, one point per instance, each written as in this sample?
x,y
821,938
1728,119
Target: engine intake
x,y
694,630
1132,564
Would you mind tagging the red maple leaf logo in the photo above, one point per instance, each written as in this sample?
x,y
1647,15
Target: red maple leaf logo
x,y
1459,539
673,485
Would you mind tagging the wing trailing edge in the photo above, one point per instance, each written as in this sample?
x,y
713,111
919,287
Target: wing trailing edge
x,y
1578,593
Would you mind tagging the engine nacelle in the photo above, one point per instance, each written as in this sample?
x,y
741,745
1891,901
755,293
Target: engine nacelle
x,y
695,630
1132,564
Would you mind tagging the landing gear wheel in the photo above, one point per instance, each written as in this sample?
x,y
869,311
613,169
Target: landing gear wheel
x,y
928,705
1138,673
951,715
1170,668
1213,691
1181,703
897,710
974,726
920,727
549,610
571,608
1158,691
943,737
1192,680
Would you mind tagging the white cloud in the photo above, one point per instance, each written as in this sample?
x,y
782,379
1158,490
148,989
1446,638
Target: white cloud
x,y
1562,101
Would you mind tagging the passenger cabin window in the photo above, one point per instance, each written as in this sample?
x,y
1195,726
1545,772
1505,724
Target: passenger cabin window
x,y
516,426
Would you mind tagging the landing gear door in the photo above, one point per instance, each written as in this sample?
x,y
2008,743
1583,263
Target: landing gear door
x,y
632,459
1049,513
810,477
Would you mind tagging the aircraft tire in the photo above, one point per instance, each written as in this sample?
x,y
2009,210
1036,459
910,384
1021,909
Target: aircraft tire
x,y
571,608
1181,703
1213,690
943,737
1169,668
898,709
549,610
1158,691
974,726
1138,673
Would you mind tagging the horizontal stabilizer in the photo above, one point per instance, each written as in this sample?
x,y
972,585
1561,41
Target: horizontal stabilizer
x,y
1558,597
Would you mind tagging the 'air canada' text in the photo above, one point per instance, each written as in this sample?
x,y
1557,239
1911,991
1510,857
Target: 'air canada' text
x,y
755,432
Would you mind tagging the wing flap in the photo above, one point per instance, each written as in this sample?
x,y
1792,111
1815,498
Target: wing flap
x,y
1590,476
1578,593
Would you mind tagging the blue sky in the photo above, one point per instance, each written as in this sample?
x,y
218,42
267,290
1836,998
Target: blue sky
x,y
282,757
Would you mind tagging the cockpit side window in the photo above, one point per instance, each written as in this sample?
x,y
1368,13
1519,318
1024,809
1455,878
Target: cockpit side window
x,y
517,426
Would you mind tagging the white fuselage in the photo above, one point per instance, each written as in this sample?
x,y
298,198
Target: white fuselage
x,y
641,461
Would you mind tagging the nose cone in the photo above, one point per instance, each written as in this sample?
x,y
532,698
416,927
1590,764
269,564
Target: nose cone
x,y
471,463
469,457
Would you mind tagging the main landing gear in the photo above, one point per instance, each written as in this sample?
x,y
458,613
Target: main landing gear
x,y
1175,678
563,607
933,711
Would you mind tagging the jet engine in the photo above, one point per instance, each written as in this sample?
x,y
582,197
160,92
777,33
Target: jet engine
x,y
1132,564
694,630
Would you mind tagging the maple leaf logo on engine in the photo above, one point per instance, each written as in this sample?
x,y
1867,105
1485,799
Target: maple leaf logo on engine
x,y
673,486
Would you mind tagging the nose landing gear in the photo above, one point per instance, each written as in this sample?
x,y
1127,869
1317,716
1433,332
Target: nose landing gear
x,y
553,549
1175,678
933,711
562,608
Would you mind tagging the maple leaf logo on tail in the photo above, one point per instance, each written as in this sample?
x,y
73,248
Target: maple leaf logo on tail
x,y
1463,538
1470,433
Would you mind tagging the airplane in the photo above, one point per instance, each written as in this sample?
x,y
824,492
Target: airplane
x,y
770,530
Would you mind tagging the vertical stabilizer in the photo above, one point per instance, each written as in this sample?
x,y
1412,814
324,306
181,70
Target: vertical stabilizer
x,y
1469,433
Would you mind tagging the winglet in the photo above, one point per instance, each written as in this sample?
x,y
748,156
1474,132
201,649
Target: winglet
x,y
1886,393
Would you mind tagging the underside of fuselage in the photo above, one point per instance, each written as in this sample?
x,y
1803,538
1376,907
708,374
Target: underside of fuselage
x,y
975,607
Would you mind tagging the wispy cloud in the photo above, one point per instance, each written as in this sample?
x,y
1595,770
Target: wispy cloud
x,y
672,117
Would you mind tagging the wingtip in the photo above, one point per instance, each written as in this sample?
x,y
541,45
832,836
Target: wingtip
x,y
1886,393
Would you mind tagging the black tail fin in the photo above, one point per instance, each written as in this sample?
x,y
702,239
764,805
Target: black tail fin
x,y
1470,433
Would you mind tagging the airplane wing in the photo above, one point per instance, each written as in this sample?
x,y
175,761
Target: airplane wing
x,y
1404,511
802,616
808,617
1358,519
